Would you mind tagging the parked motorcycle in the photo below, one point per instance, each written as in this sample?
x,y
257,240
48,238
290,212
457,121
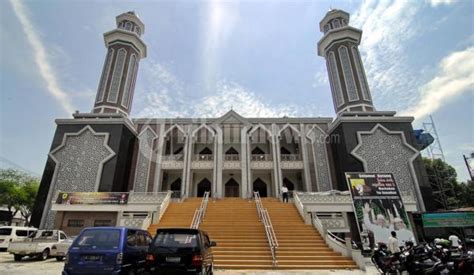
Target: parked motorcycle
x,y
384,261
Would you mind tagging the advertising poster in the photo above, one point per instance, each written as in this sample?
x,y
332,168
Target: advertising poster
x,y
91,198
378,207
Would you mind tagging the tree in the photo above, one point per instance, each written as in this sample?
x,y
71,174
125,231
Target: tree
x,y
441,173
17,192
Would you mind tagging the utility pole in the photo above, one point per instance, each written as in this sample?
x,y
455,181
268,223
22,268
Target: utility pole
x,y
469,165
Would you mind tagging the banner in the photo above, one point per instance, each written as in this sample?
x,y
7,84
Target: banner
x,y
378,207
448,219
91,198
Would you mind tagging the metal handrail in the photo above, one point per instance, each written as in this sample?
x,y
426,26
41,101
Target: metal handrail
x,y
267,223
199,213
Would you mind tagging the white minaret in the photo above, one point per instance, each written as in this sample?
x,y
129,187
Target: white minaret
x,y
339,46
124,51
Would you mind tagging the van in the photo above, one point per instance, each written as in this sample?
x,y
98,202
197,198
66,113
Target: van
x,y
110,250
14,233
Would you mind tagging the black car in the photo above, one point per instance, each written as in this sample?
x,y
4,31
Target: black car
x,y
180,251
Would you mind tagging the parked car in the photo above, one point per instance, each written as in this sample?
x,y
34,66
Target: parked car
x,y
37,245
180,251
110,250
14,233
59,250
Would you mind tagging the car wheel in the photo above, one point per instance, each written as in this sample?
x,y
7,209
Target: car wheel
x,y
59,258
17,257
44,255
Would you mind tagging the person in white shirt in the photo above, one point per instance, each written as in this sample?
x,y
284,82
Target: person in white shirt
x,y
284,193
380,226
454,241
393,245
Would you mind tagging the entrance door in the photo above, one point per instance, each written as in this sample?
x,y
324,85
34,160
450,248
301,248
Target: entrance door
x,y
176,188
232,188
261,187
203,186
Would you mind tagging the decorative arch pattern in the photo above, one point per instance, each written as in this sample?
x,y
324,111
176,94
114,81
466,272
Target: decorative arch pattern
x,y
335,80
117,76
348,74
105,76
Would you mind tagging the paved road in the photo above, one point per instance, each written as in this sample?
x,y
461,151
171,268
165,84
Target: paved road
x,y
52,267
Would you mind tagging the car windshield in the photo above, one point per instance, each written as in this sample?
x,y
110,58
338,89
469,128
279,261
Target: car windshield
x,y
5,231
176,240
98,239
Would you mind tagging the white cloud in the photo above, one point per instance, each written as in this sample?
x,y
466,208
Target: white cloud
x,y
455,76
435,3
166,97
388,26
41,59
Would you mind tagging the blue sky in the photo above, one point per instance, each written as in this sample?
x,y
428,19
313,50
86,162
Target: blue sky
x,y
258,57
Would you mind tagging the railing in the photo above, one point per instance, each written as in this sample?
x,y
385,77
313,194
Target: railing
x,y
179,157
203,157
285,157
267,223
232,157
164,205
199,213
266,157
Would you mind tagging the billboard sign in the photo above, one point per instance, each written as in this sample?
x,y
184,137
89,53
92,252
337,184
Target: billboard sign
x,y
378,207
91,198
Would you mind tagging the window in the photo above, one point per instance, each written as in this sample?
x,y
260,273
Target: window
x,y
102,222
141,239
5,231
336,23
98,239
62,236
128,26
132,238
22,233
75,223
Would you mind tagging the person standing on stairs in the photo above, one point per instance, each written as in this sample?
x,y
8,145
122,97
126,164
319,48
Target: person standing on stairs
x,y
284,193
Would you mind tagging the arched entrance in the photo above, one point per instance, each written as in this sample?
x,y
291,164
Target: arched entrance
x,y
288,184
175,188
261,187
203,186
231,188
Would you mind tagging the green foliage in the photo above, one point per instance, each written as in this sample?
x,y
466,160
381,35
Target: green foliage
x,y
440,172
18,192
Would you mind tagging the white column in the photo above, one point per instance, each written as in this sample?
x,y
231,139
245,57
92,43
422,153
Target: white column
x,y
158,182
219,161
304,153
244,184
187,162
276,161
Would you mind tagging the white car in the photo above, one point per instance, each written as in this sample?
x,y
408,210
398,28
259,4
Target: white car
x,y
59,250
38,245
14,233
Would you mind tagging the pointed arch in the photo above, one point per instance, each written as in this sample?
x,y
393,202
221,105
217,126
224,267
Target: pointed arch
x,y
173,127
288,125
231,151
260,126
205,126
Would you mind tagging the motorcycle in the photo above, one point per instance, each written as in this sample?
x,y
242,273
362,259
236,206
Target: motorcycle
x,y
384,261
420,259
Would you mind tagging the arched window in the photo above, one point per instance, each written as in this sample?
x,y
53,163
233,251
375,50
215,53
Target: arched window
x,y
128,26
258,151
336,23
205,151
231,151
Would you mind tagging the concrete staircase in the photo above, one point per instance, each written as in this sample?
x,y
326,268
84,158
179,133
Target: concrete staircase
x,y
241,241
300,246
178,214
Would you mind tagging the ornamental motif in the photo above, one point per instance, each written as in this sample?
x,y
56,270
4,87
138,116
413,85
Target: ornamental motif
x,y
335,80
144,160
79,160
105,75
383,151
348,74
318,144
117,76
361,74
